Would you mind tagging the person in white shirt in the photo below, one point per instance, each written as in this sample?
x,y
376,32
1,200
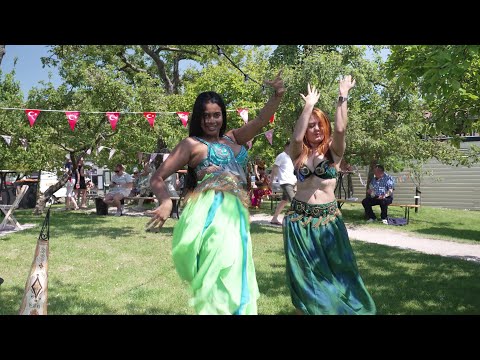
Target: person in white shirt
x,y
120,187
70,202
283,169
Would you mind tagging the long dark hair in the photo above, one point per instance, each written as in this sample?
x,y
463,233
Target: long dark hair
x,y
207,97
195,126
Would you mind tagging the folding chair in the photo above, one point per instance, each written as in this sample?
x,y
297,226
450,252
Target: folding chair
x,y
9,209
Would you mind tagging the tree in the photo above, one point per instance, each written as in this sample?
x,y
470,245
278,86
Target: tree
x,y
161,62
93,86
2,53
386,122
446,77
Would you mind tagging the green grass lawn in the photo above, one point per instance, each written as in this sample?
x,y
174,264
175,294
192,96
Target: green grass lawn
x,y
435,223
110,265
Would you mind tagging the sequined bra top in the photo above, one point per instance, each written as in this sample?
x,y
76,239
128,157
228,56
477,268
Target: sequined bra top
x,y
222,155
323,170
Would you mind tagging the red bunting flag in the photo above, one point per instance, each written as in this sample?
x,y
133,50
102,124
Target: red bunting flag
x,y
150,116
113,118
183,115
243,114
269,136
272,119
72,117
32,115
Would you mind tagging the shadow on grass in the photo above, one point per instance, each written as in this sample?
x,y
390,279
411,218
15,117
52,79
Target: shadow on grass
x,y
401,282
70,301
453,233
257,229
85,226
407,282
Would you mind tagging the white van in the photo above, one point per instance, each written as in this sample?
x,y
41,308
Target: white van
x,y
47,179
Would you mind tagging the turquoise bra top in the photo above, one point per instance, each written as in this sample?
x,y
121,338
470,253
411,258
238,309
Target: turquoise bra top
x,y
222,155
323,170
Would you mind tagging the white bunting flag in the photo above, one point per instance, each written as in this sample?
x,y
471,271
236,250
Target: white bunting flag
x,y
269,136
8,139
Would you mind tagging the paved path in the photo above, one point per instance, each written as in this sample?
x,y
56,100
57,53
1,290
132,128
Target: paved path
x,y
10,229
400,239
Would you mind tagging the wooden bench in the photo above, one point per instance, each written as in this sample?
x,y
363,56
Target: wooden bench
x,y
407,207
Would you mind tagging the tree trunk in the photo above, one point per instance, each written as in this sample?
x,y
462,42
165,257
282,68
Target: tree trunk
x,y
161,147
370,175
2,52
43,199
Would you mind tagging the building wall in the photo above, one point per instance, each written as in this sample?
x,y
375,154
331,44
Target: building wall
x,y
443,186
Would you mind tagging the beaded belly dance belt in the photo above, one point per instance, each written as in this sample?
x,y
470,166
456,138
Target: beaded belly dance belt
x,y
323,212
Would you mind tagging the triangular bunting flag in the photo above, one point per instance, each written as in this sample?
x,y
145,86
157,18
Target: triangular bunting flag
x,y
269,136
100,148
89,151
32,115
272,119
24,143
140,157
152,157
243,114
183,115
72,117
150,116
8,139
113,118
112,151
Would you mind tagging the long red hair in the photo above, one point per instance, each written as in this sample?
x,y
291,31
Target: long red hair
x,y
324,123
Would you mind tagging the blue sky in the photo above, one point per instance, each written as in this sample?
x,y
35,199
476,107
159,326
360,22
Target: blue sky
x,y
29,70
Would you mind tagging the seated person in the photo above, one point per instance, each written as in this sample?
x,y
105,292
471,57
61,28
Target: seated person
x,y
136,176
380,192
120,187
143,184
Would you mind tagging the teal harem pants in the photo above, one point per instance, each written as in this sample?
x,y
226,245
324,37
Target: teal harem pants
x,y
322,272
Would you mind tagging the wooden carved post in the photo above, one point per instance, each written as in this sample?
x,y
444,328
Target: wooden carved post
x,y
35,297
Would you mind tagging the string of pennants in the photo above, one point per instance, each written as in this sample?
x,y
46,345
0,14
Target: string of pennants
x,y
113,117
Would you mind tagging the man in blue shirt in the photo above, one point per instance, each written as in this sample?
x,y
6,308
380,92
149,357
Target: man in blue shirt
x,y
380,192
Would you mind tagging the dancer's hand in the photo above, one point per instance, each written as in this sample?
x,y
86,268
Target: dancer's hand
x,y
312,97
159,216
346,84
277,84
